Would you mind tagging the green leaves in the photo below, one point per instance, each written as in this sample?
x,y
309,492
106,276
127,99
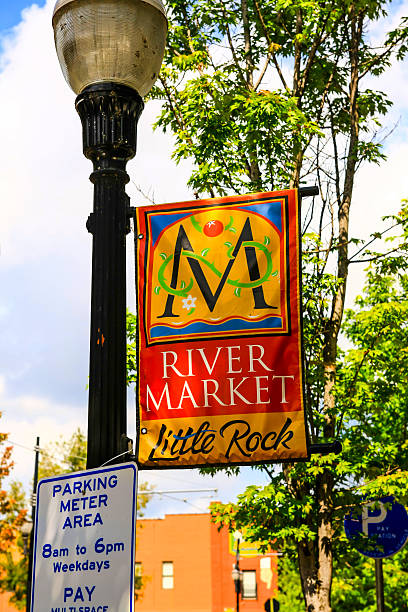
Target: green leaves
x,y
260,96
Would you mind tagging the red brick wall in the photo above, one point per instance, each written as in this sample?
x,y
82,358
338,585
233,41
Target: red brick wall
x,y
5,606
184,540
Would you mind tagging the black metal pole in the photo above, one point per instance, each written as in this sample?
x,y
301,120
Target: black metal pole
x,y
33,507
238,582
379,585
109,114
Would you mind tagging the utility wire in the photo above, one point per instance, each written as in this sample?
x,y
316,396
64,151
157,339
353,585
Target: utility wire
x,y
155,492
45,452
150,492
41,450
182,500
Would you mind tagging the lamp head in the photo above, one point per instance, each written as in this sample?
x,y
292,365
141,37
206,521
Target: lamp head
x,y
119,41
237,536
26,527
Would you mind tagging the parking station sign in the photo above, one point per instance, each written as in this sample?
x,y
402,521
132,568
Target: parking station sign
x,y
84,541
379,529
219,332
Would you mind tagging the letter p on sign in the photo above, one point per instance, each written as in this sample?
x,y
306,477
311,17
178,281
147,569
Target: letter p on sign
x,y
366,519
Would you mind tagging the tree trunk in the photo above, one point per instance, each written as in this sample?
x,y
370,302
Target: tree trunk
x,y
316,568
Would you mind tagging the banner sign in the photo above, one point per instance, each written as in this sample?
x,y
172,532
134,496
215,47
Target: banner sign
x,y
219,332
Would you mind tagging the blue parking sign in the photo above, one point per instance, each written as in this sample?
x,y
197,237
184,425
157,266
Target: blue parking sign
x,y
378,529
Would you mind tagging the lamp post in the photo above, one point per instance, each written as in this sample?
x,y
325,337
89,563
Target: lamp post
x,y
26,529
236,572
110,52
33,511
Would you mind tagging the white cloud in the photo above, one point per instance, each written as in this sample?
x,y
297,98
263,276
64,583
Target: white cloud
x,y
47,191
25,417
378,193
45,250
22,435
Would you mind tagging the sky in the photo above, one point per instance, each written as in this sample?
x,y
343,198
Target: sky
x,y
10,12
45,250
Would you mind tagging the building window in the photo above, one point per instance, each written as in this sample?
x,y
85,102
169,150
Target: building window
x,y
138,576
167,575
249,584
138,568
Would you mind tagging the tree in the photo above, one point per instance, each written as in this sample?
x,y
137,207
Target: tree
x,y
373,415
265,94
372,388
61,457
13,561
354,585
290,595
64,456
12,515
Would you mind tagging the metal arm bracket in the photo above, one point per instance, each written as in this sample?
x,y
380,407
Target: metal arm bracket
x,y
307,192
325,448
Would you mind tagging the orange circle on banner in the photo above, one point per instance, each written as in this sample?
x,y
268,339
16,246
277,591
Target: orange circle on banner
x,y
213,228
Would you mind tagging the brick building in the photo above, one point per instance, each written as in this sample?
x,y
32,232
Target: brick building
x,y
187,564
5,605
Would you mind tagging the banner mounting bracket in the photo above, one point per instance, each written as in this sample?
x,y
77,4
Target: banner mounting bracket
x,y
307,192
325,448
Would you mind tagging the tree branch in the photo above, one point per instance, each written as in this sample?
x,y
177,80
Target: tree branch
x,y
270,44
248,48
231,46
376,60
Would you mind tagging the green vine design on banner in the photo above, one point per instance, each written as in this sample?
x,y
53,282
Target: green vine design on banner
x,y
235,283
196,224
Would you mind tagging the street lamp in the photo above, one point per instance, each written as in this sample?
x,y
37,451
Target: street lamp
x,y
236,572
110,52
26,529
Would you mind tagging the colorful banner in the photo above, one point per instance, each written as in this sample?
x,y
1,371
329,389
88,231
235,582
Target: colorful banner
x,y
219,332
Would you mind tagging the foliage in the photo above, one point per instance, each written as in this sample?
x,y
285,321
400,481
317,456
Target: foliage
x,y
12,516
64,456
290,595
266,94
354,585
372,382
131,330
372,423
248,85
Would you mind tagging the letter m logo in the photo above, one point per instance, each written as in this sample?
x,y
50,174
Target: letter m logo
x,y
245,241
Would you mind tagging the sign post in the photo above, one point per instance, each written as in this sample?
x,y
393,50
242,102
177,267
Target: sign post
x,y
84,541
379,585
378,530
